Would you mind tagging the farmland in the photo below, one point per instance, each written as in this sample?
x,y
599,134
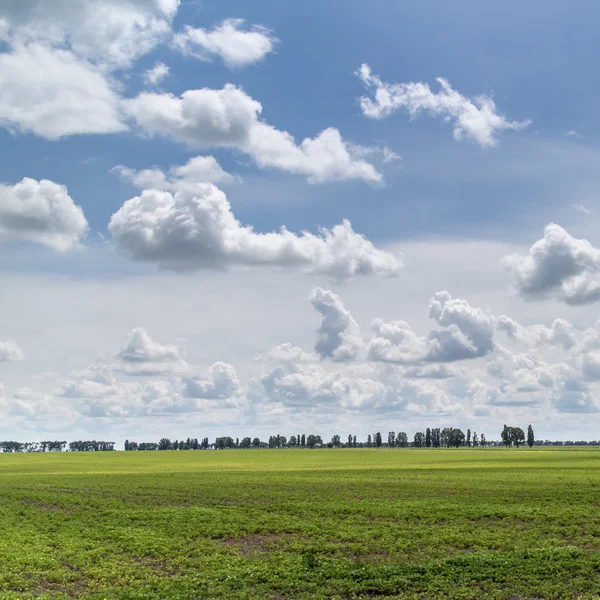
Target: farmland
x,y
353,523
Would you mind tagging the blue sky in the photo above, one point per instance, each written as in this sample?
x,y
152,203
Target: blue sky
x,y
454,208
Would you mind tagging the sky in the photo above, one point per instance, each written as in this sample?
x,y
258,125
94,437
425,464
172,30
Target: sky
x,y
232,218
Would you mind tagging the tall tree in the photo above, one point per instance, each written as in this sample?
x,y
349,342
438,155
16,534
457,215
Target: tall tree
x,y
505,436
369,443
530,436
378,440
391,439
475,440
428,438
402,440
468,438
419,439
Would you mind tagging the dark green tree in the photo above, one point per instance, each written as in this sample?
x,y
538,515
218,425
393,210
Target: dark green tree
x,y
428,438
378,440
530,436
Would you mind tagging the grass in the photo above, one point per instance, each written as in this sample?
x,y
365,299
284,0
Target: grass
x,y
318,524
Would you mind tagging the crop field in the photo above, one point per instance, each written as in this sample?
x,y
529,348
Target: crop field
x,y
355,523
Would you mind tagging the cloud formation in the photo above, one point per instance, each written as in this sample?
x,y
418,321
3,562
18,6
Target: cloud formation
x,y
195,228
220,383
156,74
229,118
476,119
53,93
10,351
338,336
41,212
557,266
144,356
200,169
235,46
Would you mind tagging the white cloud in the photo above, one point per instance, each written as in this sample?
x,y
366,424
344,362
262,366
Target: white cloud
x,y
57,72
476,119
468,334
583,209
41,212
229,118
237,47
200,169
53,93
558,266
338,335
195,228
10,351
156,74
395,342
113,33
144,356
220,383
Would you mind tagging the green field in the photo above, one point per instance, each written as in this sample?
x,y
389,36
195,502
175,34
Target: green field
x,y
353,523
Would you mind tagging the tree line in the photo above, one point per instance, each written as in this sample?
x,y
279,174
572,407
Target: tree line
x,y
448,437
57,446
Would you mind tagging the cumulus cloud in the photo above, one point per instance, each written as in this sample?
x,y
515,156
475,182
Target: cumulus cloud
x,y
220,383
144,356
235,46
200,169
338,336
312,388
560,333
195,228
41,212
156,74
56,73
557,266
113,33
468,334
10,351
395,342
229,118
53,93
476,119
94,382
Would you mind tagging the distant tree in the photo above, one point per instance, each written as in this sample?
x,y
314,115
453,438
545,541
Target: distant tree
x,y
419,439
256,443
204,445
530,436
517,436
483,442
126,445
303,441
475,439
311,441
369,443
446,437
292,443
468,438
391,439
505,436
354,442
402,440
428,438
378,440
350,441
336,442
